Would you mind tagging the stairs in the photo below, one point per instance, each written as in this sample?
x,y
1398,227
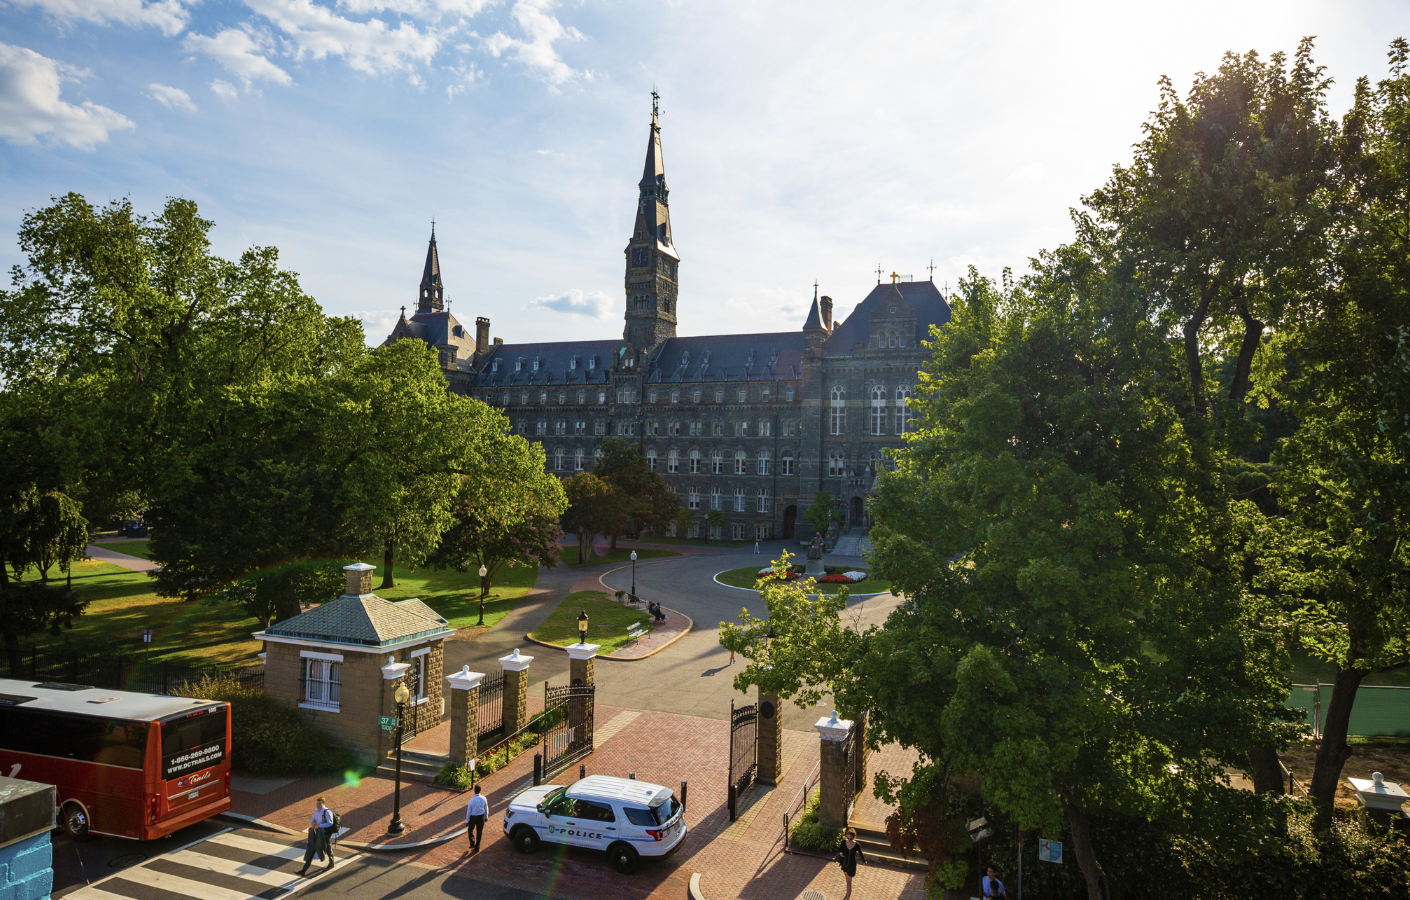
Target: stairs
x,y
878,850
415,765
853,543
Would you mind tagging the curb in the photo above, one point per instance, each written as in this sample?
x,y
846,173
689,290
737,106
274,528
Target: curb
x,y
819,594
689,626
357,845
695,893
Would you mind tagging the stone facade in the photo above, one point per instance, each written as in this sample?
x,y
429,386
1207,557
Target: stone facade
x,y
751,424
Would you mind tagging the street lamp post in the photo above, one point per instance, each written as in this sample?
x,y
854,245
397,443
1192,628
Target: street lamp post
x,y
582,626
401,696
484,589
633,574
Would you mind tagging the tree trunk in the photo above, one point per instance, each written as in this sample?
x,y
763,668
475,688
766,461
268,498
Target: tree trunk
x,y
388,558
1080,827
12,649
1192,358
613,545
1267,773
1253,335
1333,751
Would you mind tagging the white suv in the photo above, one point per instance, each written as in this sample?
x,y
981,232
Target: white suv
x,y
629,819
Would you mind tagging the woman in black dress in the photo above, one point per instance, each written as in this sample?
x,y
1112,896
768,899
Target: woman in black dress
x,y
847,856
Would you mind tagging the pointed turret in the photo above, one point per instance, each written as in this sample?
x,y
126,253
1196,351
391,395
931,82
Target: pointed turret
x,y
814,322
432,297
652,261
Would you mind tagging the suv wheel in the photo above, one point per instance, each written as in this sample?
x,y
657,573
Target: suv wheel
x,y
525,840
623,858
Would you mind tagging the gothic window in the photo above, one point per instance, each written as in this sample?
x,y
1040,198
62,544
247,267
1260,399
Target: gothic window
x,y
558,458
673,461
787,464
741,463
719,395
716,499
878,410
651,396
696,395
903,408
739,499
505,399
578,460
562,428
719,429
581,397
763,428
741,429
717,462
693,500
542,427
562,397
743,395
601,397
839,410
762,501
763,462
675,396
789,395
694,462
523,398
651,460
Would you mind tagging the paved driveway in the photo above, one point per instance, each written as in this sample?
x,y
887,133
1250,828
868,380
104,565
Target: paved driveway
x,y
691,677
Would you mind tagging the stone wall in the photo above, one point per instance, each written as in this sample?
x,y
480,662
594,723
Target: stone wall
x,y
26,869
354,723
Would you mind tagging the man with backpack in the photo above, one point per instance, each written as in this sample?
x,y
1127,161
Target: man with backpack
x,y
322,827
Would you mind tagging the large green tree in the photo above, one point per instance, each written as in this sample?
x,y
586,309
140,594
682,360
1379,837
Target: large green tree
x,y
591,508
641,498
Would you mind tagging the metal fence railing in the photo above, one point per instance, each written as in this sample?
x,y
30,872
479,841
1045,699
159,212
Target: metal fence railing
x,y
491,718
800,802
131,672
1379,710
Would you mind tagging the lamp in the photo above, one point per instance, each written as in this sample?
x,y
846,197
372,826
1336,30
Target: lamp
x,y
400,695
633,574
484,589
582,627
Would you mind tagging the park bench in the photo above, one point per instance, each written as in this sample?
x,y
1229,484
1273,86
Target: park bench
x,y
635,630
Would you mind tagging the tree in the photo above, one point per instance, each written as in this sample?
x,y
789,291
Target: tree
x,y
714,519
282,592
29,607
589,512
642,499
821,513
684,518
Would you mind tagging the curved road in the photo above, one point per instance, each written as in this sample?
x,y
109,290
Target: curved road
x,y
690,677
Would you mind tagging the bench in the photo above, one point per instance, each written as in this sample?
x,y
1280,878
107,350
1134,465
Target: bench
x,y
635,630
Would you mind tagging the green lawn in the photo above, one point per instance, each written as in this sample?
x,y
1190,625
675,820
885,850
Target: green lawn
x,y
747,576
620,555
131,548
607,621
690,542
455,595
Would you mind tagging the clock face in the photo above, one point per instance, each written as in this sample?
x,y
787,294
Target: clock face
x,y
640,257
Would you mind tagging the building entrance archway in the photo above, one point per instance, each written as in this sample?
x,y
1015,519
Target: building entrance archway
x,y
790,522
857,511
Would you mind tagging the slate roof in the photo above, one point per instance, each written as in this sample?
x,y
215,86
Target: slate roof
x,y
555,363
923,296
437,329
367,621
728,357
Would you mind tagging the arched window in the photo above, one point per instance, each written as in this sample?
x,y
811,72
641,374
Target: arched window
x,y
601,397
562,397
673,461
505,400
577,460
716,499
763,501
523,398
739,499
651,395
694,462
597,456
581,397
901,339
878,410
763,462
839,410
651,460
542,427
719,395
562,427
696,395
558,458
741,462
543,396
903,408
788,463
743,395
675,396
764,428
717,462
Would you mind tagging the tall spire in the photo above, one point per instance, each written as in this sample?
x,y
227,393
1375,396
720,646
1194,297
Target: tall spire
x,y
432,294
651,278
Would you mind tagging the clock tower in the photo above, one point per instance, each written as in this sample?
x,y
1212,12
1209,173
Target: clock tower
x,y
652,261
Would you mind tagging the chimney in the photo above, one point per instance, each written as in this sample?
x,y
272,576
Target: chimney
x,y
359,579
482,334
826,304
499,342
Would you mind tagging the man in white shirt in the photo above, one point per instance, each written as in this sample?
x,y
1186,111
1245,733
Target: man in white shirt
x,y
320,834
992,886
475,815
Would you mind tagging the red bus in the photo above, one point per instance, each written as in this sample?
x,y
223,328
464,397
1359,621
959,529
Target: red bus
x,y
124,764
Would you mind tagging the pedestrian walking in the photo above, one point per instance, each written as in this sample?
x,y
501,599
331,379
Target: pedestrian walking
x,y
991,886
320,836
756,546
847,857
475,815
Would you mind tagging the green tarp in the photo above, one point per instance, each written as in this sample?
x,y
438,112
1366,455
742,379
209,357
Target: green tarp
x,y
1379,711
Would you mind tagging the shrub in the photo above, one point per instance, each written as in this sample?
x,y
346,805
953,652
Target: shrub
x,y
810,834
459,777
268,737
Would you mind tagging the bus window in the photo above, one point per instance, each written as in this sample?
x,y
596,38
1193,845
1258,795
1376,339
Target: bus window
x,y
112,742
123,744
193,742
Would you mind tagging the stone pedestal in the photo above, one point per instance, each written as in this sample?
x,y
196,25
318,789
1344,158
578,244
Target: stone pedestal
x,y
770,739
464,715
834,770
815,569
580,673
516,690
393,674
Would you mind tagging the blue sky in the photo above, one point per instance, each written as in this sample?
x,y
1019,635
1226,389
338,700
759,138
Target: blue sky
x,y
803,140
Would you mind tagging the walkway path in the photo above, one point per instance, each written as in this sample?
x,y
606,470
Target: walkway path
x,y
135,563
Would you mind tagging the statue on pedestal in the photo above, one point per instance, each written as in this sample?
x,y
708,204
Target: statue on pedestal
x,y
815,557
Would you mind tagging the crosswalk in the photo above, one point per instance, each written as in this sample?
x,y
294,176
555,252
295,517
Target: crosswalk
x,y
231,865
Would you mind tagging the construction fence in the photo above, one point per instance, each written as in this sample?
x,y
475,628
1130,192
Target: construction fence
x,y
1379,710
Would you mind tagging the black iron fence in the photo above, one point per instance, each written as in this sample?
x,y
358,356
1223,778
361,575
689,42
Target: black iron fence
x,y
743,753
491,707
131,672
800,802
568,713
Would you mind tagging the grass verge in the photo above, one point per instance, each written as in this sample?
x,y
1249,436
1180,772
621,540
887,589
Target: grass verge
x,y
608,621
620,555
139,548
748,576
456,595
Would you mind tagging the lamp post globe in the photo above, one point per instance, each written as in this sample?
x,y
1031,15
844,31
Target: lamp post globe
x,y
633,574
582,626
484,589
400,695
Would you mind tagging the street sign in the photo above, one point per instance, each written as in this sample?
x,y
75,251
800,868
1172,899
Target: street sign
x,y
979,830
387,723
1049,851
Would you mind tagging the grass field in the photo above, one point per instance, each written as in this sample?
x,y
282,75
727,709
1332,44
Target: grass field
x,y
747,576
131,548
607,621
211,632
620,555
689,542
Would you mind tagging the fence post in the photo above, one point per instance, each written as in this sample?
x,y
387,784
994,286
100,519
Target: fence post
x,y
464,715
515,699
538,769
685,785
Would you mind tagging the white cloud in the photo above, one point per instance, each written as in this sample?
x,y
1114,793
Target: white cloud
x,y
225,90
370,46
241,52
541,29
418,8
377,324
167,15
30,106
594,305
466,77
173,98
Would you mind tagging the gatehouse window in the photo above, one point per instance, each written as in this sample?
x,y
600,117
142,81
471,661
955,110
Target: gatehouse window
x,y
903,408
322,683
839,410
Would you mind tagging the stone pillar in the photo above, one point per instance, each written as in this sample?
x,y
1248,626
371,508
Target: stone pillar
x,y
580,672
516,690
833,772
464,715
770,739
393,673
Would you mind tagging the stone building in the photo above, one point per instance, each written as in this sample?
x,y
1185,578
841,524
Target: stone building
x,y
751,424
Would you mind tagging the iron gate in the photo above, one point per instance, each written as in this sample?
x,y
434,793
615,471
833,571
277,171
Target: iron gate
x,y
566,725
851,778
743,753
491,717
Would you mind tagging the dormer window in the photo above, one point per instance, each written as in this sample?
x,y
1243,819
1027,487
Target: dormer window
x,y
494,367
685,358
592,362
519,364
536,363
573,363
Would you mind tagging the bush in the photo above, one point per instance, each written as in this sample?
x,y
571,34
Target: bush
x,y
494,759
810,834
269,737
462,778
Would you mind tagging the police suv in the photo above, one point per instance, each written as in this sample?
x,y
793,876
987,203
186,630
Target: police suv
x,y
628,819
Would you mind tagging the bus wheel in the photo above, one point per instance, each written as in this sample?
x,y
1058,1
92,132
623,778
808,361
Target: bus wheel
x,y
75,821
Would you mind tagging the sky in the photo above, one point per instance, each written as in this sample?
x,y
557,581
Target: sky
x,y
804,141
